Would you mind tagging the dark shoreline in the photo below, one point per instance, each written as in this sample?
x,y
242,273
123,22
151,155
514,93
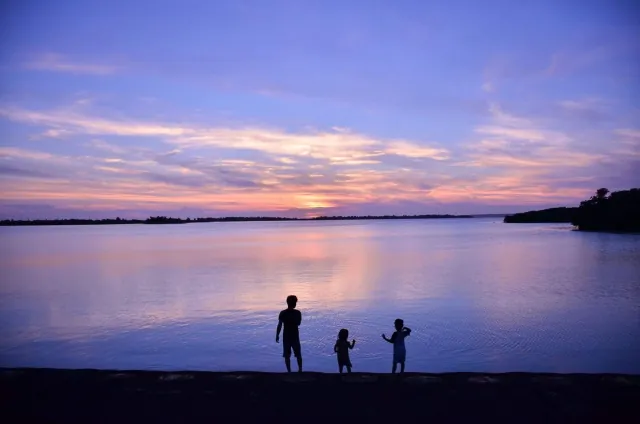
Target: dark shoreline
x,y
55,395
169,220
607,212
545,216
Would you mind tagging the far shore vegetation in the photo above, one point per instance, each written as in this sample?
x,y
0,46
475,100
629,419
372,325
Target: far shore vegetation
x,y
551,215
170,220
605,211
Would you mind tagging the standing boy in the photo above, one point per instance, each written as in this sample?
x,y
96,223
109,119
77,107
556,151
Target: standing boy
x,y
291,319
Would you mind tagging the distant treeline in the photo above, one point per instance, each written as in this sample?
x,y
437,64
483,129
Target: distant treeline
x,y
170,220
617,211
545,215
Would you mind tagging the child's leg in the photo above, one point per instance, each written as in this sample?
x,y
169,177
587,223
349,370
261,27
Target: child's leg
x,y
401,367
393,370
287,362
341,367
349,369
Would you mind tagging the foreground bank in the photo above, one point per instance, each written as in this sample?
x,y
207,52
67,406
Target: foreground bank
x,y
47,395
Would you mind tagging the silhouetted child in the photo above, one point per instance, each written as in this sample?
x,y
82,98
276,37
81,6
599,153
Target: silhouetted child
x,y
290,318
397,338
342,349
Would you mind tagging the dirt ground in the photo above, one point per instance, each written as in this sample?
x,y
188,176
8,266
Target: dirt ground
x,y
92,396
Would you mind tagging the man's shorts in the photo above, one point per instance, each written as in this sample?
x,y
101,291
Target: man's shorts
x,y
288,345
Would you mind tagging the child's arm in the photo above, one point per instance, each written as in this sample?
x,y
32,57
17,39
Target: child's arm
x,y
335,348
406,331
386,339
353,343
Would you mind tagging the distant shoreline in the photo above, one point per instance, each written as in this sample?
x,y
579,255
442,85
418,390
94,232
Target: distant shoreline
x,y
561,215
163,220
610,212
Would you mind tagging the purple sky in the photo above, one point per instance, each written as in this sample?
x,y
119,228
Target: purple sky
x,y
302,108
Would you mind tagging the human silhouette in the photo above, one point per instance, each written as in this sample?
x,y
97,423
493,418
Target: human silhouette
x,y
342,349
291,319
397,338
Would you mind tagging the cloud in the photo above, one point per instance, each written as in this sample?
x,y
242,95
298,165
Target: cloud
x,y
512,133
629,132
518,159
509,159
515,142
505,126
106,147
411,150
589,109
225,185
77,123
338,145
10,152
58,63
579,105
630,143
11,171
53,133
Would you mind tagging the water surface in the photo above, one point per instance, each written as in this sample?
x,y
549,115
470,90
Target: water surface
x,y
480,295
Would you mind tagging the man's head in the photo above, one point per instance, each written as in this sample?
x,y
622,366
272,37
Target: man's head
x,y
292,301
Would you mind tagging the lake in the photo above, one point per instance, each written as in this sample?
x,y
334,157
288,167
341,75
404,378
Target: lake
x,y
478,294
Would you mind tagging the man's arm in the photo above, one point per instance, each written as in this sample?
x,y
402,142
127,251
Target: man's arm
x,y
299,318
386,339
279,328
406,331
353,343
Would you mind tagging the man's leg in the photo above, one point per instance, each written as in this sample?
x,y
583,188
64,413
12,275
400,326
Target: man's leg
x,y
286,352
401,367
395,365
341,368
298,352
348,369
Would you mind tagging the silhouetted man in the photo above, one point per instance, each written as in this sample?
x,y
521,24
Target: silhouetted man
x,y
291,319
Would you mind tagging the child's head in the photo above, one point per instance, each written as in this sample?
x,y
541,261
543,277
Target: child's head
x,y
292,301
399,324
343,334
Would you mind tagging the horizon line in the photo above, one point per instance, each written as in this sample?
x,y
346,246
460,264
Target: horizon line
x,y
168,219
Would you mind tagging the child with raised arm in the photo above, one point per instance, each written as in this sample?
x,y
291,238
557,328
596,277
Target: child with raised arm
x,y
397,339
342,349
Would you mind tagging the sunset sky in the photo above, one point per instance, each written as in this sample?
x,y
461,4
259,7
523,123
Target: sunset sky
x,y
314,107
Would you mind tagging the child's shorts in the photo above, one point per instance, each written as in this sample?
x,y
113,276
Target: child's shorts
x,y
399,355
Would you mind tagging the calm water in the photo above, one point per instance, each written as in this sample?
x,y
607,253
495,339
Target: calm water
x,y
480,295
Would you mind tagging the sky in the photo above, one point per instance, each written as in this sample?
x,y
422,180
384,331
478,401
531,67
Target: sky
x,y
302,108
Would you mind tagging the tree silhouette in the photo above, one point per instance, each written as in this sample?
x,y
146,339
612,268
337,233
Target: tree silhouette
x,y
619,211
